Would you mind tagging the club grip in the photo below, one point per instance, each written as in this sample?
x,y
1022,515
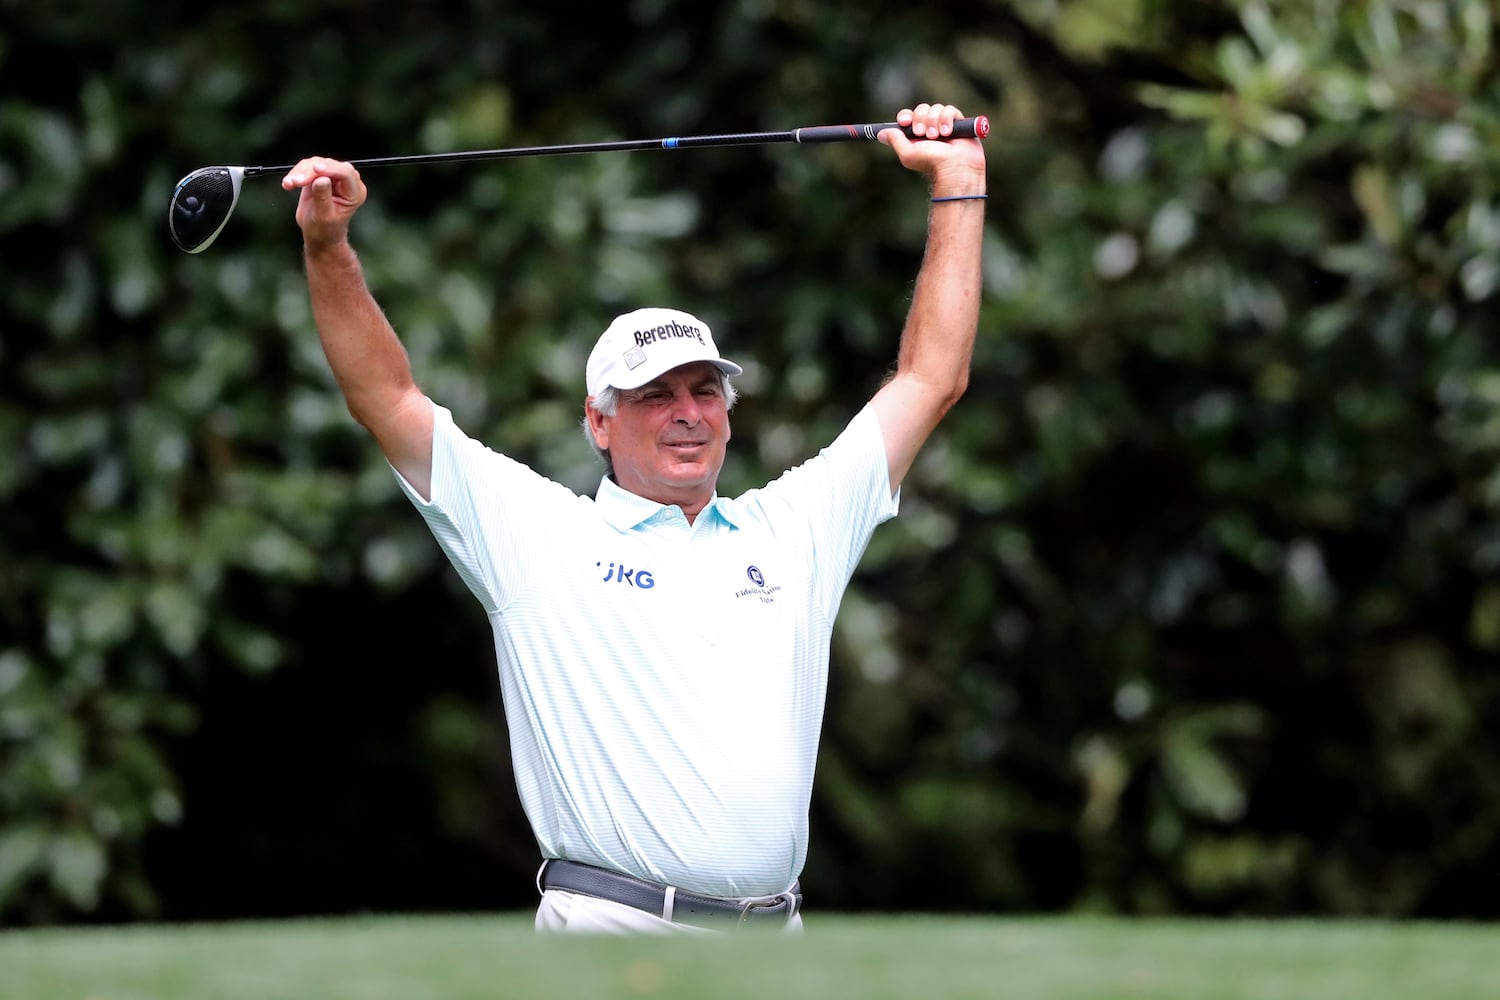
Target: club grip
x,y
963,128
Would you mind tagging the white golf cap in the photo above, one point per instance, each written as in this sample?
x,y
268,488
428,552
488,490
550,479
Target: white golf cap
x,y
642,345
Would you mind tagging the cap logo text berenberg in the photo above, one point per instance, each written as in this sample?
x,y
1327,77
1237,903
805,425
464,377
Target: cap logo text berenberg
x,y
666,330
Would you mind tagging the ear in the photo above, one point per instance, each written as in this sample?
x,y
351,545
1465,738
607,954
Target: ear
x,y
598,424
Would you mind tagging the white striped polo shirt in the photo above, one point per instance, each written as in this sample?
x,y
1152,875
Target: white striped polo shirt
x,y
663,681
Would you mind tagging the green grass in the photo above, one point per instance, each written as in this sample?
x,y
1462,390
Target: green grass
x,y
453,958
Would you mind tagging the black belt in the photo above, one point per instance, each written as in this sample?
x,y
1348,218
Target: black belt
x,y
667,902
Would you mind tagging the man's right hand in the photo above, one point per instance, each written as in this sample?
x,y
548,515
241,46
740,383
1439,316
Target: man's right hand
x,y
332,192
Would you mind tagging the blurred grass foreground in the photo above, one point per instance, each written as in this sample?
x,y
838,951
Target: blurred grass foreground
x,y
868,957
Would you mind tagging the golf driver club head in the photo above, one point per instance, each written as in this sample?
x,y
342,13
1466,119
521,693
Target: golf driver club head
x,y
202,203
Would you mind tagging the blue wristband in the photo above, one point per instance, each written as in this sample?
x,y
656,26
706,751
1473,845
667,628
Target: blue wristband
x,y
961,197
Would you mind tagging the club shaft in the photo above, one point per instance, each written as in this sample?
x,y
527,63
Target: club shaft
x,y
963,128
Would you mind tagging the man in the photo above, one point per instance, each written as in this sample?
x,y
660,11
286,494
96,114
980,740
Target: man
x,y
663,650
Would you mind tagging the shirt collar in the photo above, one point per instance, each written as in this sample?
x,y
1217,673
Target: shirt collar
x,y
624,510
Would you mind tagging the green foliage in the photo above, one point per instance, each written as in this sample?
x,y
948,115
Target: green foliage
x,y
1192,603
1216,521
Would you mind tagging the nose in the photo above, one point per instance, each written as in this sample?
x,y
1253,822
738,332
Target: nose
x,y
685,409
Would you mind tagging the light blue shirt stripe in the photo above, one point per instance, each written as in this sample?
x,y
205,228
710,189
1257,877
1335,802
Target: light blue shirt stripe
x,y
663,681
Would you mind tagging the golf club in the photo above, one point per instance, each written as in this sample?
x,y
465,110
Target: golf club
x,y
205,198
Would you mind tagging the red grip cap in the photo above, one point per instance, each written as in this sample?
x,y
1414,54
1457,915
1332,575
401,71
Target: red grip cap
x,y
981,126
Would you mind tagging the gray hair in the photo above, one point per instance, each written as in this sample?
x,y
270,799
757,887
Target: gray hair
x,y
607,403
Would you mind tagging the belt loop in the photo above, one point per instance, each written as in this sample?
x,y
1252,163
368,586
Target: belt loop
x,y
540,872
669,901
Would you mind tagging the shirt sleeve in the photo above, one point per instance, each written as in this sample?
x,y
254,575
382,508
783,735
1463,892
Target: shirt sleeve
x,y
840,496
483,511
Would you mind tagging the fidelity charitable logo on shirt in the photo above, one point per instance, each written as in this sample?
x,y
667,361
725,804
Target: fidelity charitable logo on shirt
x,y
767,594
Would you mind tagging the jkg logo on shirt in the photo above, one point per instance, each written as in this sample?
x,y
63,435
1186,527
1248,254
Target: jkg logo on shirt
x,y
641,579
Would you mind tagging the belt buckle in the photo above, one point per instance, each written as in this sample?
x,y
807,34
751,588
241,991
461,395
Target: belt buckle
x,y
754,903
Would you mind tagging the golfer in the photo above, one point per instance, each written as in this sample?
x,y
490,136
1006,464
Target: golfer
x,y
662,649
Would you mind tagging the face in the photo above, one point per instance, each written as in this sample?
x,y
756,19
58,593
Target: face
x,y
667,439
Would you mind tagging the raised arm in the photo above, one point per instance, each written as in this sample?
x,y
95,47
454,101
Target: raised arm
x,y
367,358
937,342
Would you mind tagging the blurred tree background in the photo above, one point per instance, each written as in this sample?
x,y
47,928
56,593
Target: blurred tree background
x,y
1194,603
